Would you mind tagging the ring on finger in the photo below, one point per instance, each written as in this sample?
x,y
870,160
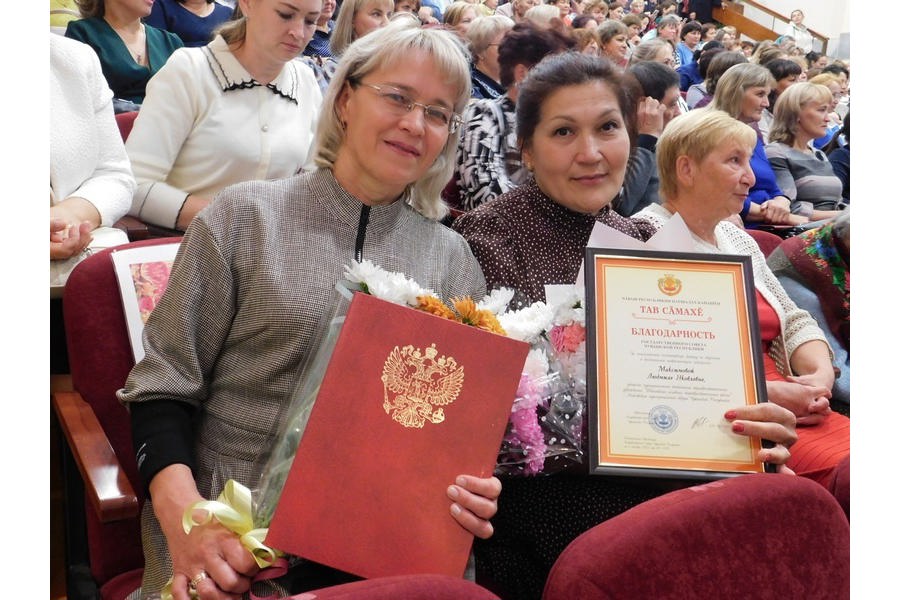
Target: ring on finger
x,y
197,579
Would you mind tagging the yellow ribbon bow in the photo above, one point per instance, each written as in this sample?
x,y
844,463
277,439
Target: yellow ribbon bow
x,y
234,510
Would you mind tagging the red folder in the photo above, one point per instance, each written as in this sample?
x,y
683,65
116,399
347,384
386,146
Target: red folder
x,y
409,401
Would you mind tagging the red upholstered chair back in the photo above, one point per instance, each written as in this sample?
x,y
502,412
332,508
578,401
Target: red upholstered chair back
x,y
766,241
125,121
100,358
746,537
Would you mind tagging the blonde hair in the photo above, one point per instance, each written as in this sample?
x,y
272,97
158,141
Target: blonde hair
x,y
730,88
788,107
390,45
483,30
342,35
695,134
453,14
542,15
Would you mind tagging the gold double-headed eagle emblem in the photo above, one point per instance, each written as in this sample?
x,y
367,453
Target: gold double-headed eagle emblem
x,y
416,382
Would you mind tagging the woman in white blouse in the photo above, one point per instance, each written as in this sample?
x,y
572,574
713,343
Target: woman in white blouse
x,y
237,109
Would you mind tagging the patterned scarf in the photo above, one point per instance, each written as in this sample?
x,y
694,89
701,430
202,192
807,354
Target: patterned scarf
x,y
825,267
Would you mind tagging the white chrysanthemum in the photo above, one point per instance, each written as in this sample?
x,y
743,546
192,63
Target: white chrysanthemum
x,y
570,309
497,301
528,323
536,364
363,272
386,285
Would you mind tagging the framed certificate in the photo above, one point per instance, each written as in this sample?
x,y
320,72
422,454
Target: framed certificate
x,y
672,344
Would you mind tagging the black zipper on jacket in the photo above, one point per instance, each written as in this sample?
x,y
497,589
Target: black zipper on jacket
x,y
361,231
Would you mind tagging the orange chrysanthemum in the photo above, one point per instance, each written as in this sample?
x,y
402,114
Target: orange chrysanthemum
x,y
470,314
434,306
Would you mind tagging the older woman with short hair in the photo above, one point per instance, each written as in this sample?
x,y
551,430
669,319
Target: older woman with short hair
x,y
485,35
254,275
705,173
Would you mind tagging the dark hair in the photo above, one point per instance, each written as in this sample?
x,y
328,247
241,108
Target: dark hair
x,y
711,45
565,70
581,20
812,56
836,68
689,27
720,63
783,67
654,78
526,44
706,56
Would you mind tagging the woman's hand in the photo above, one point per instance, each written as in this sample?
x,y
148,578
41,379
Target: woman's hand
x,y
807,400
650,116
209,549
776,210
474,503
770,422
68,240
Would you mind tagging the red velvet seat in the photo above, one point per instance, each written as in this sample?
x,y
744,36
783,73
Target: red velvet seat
x,y
766,240
747,537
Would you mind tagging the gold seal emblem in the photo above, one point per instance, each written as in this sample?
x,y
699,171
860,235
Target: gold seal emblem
x,y
414,381
669,285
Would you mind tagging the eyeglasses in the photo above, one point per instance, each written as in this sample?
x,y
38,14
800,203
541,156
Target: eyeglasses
x,y
400,103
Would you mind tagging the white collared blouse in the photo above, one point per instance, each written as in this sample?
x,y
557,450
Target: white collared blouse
x,y
206,124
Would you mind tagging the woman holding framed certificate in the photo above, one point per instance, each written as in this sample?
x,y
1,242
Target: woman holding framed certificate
x,y
575,122
705,175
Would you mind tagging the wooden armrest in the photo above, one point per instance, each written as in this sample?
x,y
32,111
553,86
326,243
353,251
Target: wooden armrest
x,y
134,228
107,487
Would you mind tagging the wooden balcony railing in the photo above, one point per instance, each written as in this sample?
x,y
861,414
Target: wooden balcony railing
x,y
764,26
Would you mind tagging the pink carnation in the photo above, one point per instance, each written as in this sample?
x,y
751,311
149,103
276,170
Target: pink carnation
x,y
567,338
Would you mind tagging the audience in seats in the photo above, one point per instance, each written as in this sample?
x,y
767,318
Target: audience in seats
x,y
802,171
535,235
694,73
484,36
130,52
699,96
814,269
237,109
194,21
489,161
254,275
319,46
743,93
704,169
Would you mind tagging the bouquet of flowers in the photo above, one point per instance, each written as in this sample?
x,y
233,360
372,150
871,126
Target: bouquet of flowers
x,y
544,434
367,278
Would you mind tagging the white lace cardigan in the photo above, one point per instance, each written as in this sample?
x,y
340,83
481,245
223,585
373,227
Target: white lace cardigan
x,y
797,326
